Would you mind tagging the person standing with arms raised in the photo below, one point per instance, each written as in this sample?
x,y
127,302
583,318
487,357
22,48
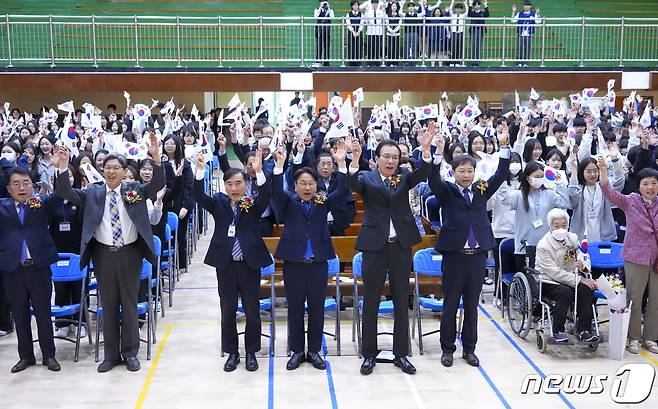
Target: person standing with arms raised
x,y
116,236
238,252
387,234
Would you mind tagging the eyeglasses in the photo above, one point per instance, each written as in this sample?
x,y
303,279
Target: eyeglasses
x,y
19,184
592,172
114,168
306,184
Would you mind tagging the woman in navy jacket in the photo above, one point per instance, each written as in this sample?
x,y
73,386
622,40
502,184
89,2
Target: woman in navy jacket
x,y
305,246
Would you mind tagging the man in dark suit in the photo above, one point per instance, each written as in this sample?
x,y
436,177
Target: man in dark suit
x,y
116,234
387,234
26,252
465,238
238,252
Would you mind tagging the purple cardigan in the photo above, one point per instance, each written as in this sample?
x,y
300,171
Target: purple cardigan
x,y
639,243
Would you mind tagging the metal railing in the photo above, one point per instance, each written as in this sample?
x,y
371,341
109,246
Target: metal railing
x,y
300,41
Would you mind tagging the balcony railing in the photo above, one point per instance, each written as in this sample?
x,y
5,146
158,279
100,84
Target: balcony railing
x,y
295,41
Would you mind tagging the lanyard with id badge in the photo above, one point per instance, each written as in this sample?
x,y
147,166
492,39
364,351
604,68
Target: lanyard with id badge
x,y
65,225
231,227
537,222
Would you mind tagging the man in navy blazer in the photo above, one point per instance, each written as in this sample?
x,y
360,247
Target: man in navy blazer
x,y
464,241
238,252
26,252
387,234
305,247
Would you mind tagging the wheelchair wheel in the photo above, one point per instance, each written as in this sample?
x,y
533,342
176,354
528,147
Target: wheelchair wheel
x,y
593,347
520,305
542,340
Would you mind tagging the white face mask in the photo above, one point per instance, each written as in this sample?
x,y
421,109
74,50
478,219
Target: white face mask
x,y
10,156
514,168
559,234
536,182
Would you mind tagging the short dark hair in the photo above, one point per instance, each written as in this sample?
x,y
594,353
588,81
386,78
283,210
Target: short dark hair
x,y
387,142
643,174
324,155
120,158
559,128
18,171
234,171
579,121
112,106
462,159
306,169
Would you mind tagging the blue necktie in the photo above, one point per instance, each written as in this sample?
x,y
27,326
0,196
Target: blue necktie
x,y
472,241
21,216
308,253
236,252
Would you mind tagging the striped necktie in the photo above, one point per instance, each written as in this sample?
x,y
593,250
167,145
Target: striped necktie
x,y
236,252
117,234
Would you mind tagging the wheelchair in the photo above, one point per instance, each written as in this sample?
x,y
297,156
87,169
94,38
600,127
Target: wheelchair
x,y
528,309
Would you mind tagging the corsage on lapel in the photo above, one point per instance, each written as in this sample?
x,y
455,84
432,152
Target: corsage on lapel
x,y
132,196
245,204
482,186
395,180
34,202
570,255
320,197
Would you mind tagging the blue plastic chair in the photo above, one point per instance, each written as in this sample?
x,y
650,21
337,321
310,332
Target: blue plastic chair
x,y
385,307
67,269
433,212
143,308
157,282
171,252
605,255
167,265
428,262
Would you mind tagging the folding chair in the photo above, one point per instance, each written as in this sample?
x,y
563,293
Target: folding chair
x,y
506,271
157,282
172,245
67,269
167,266
267,304
143,308
331,304
385,307
428,262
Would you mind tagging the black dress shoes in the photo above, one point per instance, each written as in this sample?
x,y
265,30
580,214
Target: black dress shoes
x,y
295,360
22,365
316,360
446,360
133,364
251,363
106,366
368,365
232,362
403,363
52,364
471,358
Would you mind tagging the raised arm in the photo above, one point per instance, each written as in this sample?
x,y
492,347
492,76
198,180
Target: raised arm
x,y
616,198
264,184
497,179
336,199
158,181
198,188
63,184
280,196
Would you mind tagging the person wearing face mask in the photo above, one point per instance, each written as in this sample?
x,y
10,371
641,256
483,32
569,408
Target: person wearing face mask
x,y
557,259
532,203
640,253
305,247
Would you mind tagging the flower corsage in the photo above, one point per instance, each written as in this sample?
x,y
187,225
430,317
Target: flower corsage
x,y
482,186
320,197
34,202
131,197
245,204
395,180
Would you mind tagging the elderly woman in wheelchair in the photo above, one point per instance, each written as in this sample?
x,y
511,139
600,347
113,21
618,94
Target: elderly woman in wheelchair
x,y
563,274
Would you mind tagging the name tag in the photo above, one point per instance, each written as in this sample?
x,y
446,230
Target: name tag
x,y
231,231
437,257
537,224
65,227
605,251
63,263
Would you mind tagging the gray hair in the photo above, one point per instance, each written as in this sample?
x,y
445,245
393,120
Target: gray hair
x,y
555,214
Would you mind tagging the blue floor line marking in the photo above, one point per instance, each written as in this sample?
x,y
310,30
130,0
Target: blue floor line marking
x,y
523,354
491,383
330,378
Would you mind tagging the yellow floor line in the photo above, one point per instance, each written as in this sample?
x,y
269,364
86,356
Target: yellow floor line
x,y
154,366
649,358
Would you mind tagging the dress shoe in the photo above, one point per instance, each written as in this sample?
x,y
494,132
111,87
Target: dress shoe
x,y
107,366
403,363
316,360
232,362
471,358
368,365
52,364
133,364
251,362
295,360
22,365
446,360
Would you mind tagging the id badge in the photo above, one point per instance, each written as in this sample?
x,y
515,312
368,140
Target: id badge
x,y
65,227
537,223
231,231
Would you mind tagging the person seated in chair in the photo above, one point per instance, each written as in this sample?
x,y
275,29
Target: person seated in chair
x,y
557,259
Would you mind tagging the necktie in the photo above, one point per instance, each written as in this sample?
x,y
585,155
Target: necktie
x,y
21,216
236,252
472,241
117,234
387,183
308,252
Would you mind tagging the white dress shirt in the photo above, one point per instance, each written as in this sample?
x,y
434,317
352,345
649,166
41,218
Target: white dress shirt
x,y
103,233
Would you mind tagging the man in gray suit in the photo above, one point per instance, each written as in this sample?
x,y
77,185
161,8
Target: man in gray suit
x,y
116,235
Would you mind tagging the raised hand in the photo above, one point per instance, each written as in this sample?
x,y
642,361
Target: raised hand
x,y
440,143
426,135
258,161
154,149
573,158
356,151
502,133
339,153
614,150
221,141
62,158
280,156
179,169
200,162
160,195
